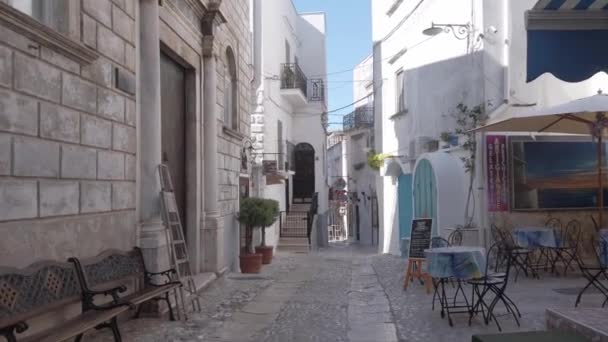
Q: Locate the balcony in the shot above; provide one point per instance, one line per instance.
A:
(362, 117)
(294, 84)
(297, 88)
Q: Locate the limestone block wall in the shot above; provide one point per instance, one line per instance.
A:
(236, 34)
(68, 141)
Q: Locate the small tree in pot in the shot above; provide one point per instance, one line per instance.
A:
(251, 215)
(271, 212)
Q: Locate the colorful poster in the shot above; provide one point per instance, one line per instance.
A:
(497, 173)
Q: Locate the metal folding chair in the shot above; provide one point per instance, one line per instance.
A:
(595, 272)
(567, 250)
(455, 238)
(487, 284)
(520, 258)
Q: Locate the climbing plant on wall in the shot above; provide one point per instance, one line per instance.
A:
(468, 118)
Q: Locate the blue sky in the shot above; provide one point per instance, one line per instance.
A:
(349, 41)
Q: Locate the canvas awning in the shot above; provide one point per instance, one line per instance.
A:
(567, 38)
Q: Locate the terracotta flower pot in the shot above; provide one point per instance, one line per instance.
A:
(251, 263)
(266, 252)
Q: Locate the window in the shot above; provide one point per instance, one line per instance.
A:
(33, 18)
(400, 91)
(230, 92)
(52, 13)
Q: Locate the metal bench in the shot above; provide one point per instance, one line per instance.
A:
(106, 275)
(42, 288)
(49, 286)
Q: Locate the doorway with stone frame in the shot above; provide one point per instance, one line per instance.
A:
(179, 139)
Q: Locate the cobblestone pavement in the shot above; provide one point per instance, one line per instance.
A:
(344, 293)
(416, 321)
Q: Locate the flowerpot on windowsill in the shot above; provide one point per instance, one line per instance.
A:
(266, 252)
(250, 263)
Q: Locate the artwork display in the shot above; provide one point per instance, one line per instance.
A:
(497, 173)
(555, 175)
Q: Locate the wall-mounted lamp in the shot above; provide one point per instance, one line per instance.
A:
(247, 147)
(460, 31)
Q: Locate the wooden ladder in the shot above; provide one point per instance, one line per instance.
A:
(178, 250)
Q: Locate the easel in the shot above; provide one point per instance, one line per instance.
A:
(419, 241)
(414, 271)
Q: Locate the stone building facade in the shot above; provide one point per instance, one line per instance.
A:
(94, 95)
(68, 137)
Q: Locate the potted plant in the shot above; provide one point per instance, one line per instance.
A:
(271, 212)
(251, 215)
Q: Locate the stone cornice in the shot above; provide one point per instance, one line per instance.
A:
(210, 21)
(40, 33)
(198, 7)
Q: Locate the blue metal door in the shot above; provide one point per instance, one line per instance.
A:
(405, 204)
(425, 193)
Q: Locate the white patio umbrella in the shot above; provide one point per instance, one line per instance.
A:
(588, 116)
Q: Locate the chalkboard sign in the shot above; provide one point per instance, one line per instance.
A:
(421, 237)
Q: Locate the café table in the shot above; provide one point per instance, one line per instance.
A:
(454, 263)
(535, 237)
(541, 238)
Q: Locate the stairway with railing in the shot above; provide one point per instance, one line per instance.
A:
(296, 226)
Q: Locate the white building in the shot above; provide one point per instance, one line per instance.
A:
(347, 163)
(289, 119)
(480, 59)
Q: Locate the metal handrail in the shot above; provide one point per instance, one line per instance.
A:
(314, 206)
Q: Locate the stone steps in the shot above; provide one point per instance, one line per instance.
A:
(296, 245)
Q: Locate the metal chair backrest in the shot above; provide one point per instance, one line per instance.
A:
(506, 239)
(600, 249)
(438, 242)
(571, 236)
(493, 250)
(496, 236)
(556, 225)
(455, 238)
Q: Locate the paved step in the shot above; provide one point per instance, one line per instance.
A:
(298, 245)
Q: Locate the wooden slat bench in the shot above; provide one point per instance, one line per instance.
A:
(117, 267)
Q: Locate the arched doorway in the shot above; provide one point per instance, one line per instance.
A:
(304, 179)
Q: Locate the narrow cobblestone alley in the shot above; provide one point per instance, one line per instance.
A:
(344, 293)
(334, 295)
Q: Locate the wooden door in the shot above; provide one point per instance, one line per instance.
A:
(425, 193)
(304, 179)
(173, 107)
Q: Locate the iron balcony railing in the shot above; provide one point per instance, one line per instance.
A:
(292, 77)
(362, 117)
(317, 90)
